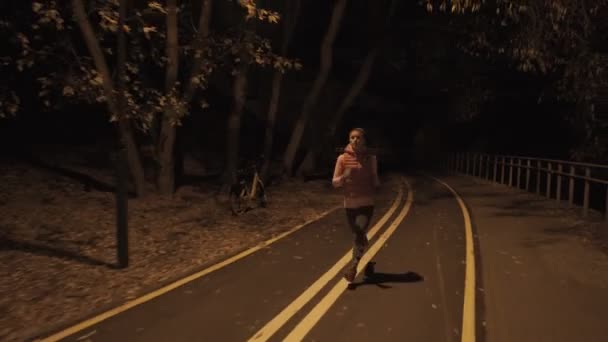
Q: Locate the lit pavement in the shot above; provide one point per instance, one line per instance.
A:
(530, 284)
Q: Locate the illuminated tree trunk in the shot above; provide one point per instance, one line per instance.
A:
(292, 10)
(166, 144)
(239, 90)
(362, 77)
(311, 155)
(311, 100)
(167, 156)
(203, 33)
(123, 126)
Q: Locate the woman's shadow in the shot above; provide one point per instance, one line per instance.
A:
(371, 277)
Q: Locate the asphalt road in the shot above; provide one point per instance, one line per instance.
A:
(413, 291)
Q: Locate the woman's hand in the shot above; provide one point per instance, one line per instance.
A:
(346, 174)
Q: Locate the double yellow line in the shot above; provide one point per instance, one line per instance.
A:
(312, 318)
(170, 287)
(323, 306)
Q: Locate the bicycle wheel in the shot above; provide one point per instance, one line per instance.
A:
(261, 194)
(238, 199)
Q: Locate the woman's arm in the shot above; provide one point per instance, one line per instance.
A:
(338, 179)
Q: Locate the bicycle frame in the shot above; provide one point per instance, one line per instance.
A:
(254, 186)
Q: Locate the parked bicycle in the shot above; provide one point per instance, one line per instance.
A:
(248, 191)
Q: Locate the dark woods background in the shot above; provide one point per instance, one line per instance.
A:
(424, 95)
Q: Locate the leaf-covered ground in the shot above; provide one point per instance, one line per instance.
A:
(57, 240)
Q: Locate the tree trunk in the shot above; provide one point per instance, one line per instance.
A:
(169, 151)
(353, 92)
(166, 176)
(124, 129)
(311, 100)
(292, 10)
(355, 89)
(234, 124)
(203, 33)
(365, 71)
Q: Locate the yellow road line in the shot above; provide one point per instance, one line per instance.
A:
(313, 317)
(468, 311)
(130, 304)
(278, 321)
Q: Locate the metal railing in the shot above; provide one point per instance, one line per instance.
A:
(521, 172)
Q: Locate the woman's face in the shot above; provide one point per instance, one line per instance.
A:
(356, 139)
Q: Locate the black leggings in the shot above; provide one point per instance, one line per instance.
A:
(358, 221)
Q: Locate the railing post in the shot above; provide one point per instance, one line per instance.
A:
(122, 211)
(474, 162)
(571, 186)
(510, 171)
(460, 162)
(528, 175)
(606, 209)
(538, 165)
(463, 162)
(586, 195)
(518, 173)
(446, 163)
(468, 162)
(502, 174)
(487, 166)
(481, 165)
(452, 160)
(495, 169)
(549, 171)
(558, 194)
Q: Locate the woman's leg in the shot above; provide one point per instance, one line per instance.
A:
(358, 221)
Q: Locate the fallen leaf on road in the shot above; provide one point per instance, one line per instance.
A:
(84, 337)
(434, 306)
(298, 257)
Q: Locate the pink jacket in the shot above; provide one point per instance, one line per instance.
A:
(359, 188)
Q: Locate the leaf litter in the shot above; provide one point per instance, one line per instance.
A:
(57, 241)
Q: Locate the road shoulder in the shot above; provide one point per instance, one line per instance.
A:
(539, 268)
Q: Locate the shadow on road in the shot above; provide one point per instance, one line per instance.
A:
(371, 277)
(40, 249)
